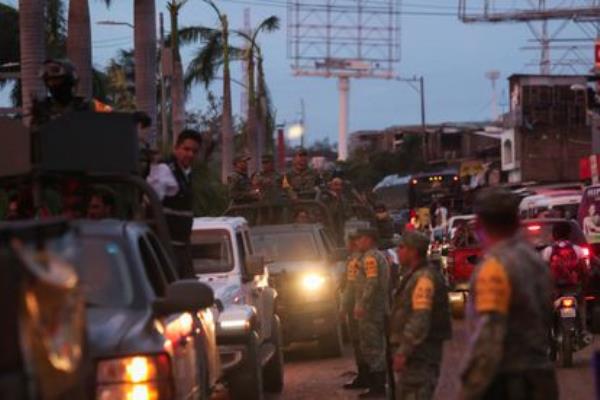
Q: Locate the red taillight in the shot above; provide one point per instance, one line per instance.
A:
(568, 302)
(586, 252)
(534, 228)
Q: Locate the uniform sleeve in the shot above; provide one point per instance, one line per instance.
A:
(162, 181)
(491, 302)
(418, 325)
(372, 271)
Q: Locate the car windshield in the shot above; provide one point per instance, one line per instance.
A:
(104, 273)
(539, 234)
(286, 246)
(212, 251)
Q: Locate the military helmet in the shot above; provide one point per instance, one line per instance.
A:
(59, 68)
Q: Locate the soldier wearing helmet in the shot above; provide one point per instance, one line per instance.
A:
(60, 78)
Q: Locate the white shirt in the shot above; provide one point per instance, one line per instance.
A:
(547, 252)
(441, 216)
(163, 181)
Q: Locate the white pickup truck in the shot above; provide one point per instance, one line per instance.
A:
(248, 330)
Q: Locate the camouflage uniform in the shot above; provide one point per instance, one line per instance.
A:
(510, 305)
(240, 188)
(371, 295)
(348, 301)
(419, 324)
(49, 109)
(269, 184)
(301, 182)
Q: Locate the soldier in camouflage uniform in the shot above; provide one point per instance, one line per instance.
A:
(420, 321)
(60, 79)
(268, 181)
(371, 309)
(240, 187)
(348, 289)
(511, 309)
(301, 181)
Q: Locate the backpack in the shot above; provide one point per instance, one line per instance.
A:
(564, 264)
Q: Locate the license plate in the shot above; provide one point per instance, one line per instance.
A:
(567, 312)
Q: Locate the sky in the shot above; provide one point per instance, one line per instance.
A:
(451, 56)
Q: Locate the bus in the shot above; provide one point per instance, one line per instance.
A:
(428, 187)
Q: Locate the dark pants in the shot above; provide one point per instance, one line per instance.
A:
(183, 261)
(527, 385)
(355, 340)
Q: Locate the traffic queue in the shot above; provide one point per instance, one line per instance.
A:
(114, 289)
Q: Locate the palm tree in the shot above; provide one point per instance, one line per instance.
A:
(32, 50)
(79, 44)
(144, 20)
(177, 85)
(264, 105)
(254, 137)
(120, 81)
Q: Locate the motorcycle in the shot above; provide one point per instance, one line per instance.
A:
(567, 335)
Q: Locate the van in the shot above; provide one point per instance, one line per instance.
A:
(560, 203)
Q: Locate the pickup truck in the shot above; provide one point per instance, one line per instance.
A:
(248, 329)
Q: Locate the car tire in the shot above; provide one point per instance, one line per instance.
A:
(273, 372)
(246, 382)
(332, 344)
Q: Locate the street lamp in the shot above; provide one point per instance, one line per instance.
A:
(295, 131)
(122, 23)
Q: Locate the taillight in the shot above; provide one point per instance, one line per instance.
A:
(586, 252)
(534, 228)
(144, 377)
(567, 303)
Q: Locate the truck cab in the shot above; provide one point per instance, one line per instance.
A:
(248, 330)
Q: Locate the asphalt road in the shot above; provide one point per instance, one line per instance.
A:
(310, 377)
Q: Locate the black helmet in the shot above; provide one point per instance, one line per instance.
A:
(56, 68)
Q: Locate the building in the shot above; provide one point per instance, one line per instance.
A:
(548, 129)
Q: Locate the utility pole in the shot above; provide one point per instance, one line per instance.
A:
(423, 123)
(344, 88)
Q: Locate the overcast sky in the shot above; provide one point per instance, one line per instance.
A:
(453, 58)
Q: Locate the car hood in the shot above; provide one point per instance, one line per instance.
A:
(226, 288)
(296, 267)
(116, 330)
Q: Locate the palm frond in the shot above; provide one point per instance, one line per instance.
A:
(193, 34)
(270, 24)
(203, 66)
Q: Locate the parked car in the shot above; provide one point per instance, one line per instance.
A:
(43, 346)
(150, 335)
(555, 203)
(303, 271)
(249, 330)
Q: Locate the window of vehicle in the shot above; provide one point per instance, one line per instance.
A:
(104, 272)
(241, 248)
(286, 246)
(153, 271)
(165, 265)
(539, 234)
(248, 243)
(211, 251)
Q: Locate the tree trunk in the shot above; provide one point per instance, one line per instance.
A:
(79, 44)
(251, 122)
(177, 87)
(145, 63)
(227, 134)
(262, 109)
(32, 44)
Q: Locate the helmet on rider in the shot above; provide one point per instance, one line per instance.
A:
(60, 77)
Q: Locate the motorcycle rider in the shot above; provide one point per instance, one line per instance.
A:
(568, 268)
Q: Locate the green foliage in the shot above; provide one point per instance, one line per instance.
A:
(210, 195)
(365, 168)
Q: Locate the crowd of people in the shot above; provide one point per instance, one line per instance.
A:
(510, 309)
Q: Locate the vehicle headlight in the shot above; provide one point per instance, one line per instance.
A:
(313, 282)
(134, 378)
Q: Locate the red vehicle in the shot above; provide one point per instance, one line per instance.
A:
(463, 247)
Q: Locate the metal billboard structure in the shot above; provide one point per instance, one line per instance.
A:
(547, 20)
(344, 39)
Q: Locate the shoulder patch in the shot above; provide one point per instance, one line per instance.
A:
(422, 296)
(492, 288)
(371, 267)
(353, 267)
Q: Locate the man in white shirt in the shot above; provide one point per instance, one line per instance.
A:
(172, 181)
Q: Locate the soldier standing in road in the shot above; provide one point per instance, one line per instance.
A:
(240, 187)
(420, 321)
(361, 381)
(172, 181)
(511, 306)
(268, 181)
(300, 180)
(370, 309)
(60, 79)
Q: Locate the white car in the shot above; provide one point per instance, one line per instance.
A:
(248, 330)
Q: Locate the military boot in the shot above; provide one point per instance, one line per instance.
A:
(361, 381)
(376, 388)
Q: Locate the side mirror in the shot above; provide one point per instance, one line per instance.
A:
(255, 265)
(339, 254)
(184, 295)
